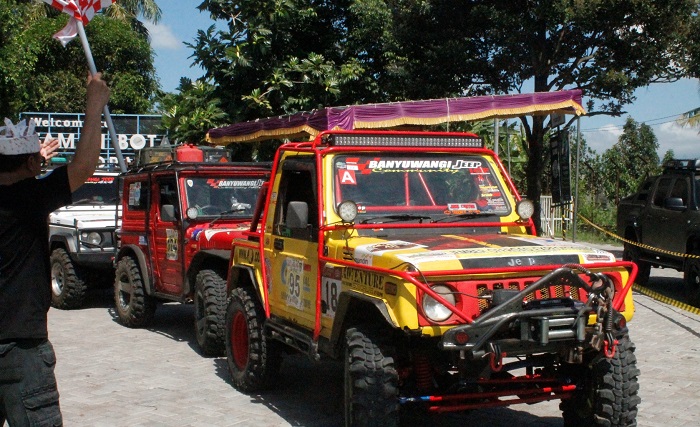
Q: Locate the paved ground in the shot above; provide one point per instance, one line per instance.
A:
(113, 376)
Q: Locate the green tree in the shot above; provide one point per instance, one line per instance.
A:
(631, 160)
(188, 114)
(386, 50)
(38, 74)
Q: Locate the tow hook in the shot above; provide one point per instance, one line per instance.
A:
(608, 349)
(496, 357)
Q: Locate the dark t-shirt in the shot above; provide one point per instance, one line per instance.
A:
(25, 276)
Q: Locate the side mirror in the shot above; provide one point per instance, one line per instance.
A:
(297, 215)
(167, 213)
(674, 204)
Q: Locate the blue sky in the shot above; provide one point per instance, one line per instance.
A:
(657, 105)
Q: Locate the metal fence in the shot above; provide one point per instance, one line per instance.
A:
(554, 218)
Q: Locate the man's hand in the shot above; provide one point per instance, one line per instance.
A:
(48, 149)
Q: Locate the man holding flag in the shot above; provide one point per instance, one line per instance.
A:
(28, 390)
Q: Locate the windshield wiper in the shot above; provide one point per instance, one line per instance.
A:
(458, 217)
(221, 214)
(395, 218)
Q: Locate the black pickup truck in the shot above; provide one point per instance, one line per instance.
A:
(664, 217)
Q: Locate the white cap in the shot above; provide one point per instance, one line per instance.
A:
(18, 139)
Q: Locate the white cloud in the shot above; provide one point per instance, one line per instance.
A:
(162, 37)
(602, 138)
(685, 142)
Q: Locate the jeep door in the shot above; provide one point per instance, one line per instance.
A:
(293, 252)
(166, 235)
(664, 227)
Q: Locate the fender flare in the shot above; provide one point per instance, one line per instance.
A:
(136, 252)
(204, 259)
(63, 241)
(242, 276)
(345, 300)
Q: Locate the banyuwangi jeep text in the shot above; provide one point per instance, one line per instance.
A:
(411, 257)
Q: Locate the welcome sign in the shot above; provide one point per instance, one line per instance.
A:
(134, 132)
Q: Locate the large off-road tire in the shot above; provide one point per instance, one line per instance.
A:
(210, 312)
(253, 359)
(691, 279)
(633, 253)
(371, 382)
(134, 308)
(68, 286)
(608, 391)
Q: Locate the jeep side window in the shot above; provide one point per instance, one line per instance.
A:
(680, 190)
(138, 195)
(167, 190)
(644, 190)
(661, 191)
(297, 184)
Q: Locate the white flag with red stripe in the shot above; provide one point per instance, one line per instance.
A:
(83, 10)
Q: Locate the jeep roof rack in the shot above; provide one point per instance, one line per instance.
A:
(682, 164)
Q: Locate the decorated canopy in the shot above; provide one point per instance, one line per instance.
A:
(393, 114)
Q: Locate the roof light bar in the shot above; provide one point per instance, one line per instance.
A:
(405, 140)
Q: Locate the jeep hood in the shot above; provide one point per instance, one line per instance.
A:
(468, 251)
(218, 237)
(88, 216)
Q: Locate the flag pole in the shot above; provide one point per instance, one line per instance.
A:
(108, 117)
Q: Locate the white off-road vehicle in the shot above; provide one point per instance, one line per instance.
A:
(83, 241)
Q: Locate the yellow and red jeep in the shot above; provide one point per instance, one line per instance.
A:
(411, 256)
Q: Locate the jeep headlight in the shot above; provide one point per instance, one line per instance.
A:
(91, 238)
(434, 310)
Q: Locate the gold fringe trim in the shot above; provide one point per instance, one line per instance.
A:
(309, 132)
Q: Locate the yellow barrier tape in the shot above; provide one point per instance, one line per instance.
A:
(641, 289)
(633, 243)
(662, 298)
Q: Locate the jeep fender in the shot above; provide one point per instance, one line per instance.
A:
(136, 252)
(353, 309)
(242, 277)
(62, 241)
(212, 259)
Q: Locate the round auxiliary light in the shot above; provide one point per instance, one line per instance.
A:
(525, 209)
(347, 211)
(192, 212)
(434, 310)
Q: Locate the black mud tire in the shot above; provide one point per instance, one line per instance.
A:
(68, 287)
(608, 392)
(371, 382)
(134, 308)
(633, 253)
(253, 360)
(691, 278)
(210, 312)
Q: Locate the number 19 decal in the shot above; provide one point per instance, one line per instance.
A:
(330, 291)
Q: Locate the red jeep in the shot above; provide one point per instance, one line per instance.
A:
(179, 219)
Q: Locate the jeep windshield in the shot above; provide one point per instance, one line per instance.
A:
(424, 188)
(222, 197)
(97, 190)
